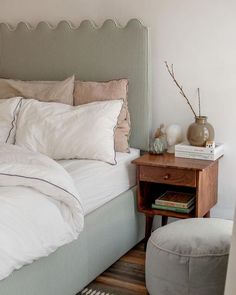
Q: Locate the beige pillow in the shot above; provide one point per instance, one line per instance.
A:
(86, 92)
(58, 91)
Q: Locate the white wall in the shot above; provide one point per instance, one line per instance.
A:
(197, 36)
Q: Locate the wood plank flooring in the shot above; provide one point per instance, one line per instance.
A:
(125, 277)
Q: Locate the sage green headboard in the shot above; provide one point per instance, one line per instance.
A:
(89, 52)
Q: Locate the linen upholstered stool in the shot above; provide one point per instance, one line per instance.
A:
(189, 257)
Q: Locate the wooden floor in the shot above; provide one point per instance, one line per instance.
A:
(125, 277)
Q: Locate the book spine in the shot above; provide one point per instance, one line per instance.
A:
(200, 150)
(171, 204)
(194, 149)
(210, 157)
(175, 209)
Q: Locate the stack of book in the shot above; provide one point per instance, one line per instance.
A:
(185, 150)
(175, 201)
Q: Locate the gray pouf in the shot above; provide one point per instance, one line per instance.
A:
(189, 257)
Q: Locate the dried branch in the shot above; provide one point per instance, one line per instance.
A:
(199, 101)
(172, 74)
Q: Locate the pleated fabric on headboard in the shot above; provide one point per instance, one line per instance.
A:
(91, 53)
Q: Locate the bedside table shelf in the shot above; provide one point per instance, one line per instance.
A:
(158, 173)
(168, 213)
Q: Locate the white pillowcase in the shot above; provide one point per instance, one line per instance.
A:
(65, 132)
(8, 114)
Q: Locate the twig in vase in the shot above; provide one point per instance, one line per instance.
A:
(172, 74)
(199, 101)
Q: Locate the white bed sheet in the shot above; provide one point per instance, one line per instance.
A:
(98, 182)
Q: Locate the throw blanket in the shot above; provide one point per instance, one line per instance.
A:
(40, 209)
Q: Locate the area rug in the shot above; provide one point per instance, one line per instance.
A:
(102, 290)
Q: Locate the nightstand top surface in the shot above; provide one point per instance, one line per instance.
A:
(169, 160)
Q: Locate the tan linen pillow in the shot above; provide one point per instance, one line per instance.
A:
(47, 91)
(87, 91)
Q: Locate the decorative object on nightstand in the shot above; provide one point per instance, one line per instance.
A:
(210, 144)
(159, 143)
(174, 136)
(200, 131)
(158, 174)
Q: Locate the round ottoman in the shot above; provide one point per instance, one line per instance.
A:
(189, 257)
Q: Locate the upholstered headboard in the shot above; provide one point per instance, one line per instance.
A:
(89, 52)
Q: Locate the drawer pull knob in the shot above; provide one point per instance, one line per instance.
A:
(167, 176)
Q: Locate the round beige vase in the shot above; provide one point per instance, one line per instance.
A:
(200, 132)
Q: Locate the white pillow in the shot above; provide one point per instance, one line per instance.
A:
(8, 114)
(66, 132)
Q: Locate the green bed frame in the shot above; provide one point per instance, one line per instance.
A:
(95, 54)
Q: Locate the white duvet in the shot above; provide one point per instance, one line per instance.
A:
(40, 209)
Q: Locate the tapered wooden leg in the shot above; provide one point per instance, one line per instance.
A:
(207, 215)
(164, 220)
(148, 230)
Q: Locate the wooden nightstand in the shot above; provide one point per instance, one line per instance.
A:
(159, 173)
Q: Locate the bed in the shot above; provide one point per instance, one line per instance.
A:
(113, 226)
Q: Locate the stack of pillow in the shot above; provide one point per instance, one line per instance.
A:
(66, 119)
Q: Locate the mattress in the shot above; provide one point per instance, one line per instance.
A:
(98, 182)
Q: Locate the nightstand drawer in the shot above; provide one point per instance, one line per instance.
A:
(174, 176)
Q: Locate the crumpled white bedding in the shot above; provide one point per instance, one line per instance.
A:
(40, 209)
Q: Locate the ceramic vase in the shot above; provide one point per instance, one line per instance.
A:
(200, 132)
